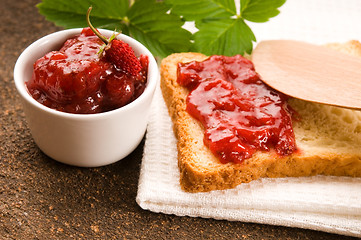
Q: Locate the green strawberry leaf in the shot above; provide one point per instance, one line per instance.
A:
(201, 9)
(158, 24)
(148, 21)
(71, 13)
(157, 29)
(260, 10)
(226, 37)
(221, 29)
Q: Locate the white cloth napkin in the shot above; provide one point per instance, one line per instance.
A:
(330, 204)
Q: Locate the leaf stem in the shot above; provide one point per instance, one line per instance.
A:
(93, 28)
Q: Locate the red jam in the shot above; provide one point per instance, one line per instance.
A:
(241, 114)
(76, 80)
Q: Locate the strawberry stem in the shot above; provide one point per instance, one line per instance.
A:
(104, 39)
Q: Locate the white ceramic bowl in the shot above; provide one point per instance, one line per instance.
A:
(86, 140)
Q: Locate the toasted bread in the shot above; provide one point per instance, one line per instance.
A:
(328, 139)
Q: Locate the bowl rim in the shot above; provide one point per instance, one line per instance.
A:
(152, 78)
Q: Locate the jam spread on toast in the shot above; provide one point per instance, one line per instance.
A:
(76, 79)
(240, 114)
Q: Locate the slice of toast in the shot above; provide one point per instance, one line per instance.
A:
(328, 139)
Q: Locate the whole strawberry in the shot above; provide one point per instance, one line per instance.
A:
(118, 52)
(122, 56)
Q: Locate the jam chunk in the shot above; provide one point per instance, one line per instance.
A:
(240, 114)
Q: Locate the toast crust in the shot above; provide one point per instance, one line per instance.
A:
(201, 171)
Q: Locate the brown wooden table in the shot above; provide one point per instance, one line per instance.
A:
(43, 199)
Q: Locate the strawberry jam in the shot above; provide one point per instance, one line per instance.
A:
(76, 79)
(240, 114)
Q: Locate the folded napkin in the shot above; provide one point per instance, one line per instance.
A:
(330, 204)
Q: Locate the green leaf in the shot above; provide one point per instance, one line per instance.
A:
(71, 13)
(221, 29)
(260, 10)
(226, 37)
(157, 29)
(201, 9)
(158, 23)
(148, 21)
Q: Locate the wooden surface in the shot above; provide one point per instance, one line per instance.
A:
(43, 199)
(310, 72)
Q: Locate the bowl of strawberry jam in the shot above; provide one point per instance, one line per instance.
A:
(85, 104)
